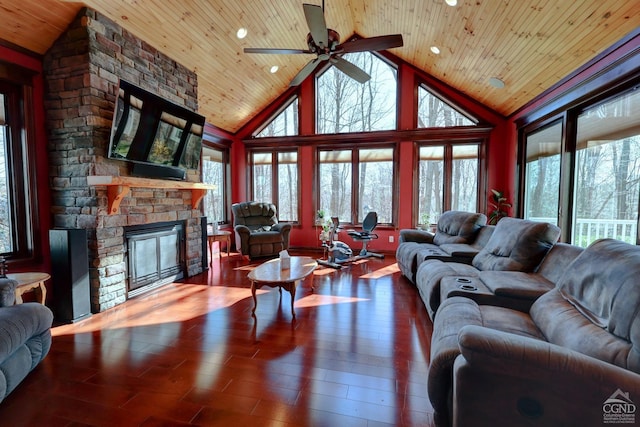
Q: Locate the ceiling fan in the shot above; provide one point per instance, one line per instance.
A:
(325, 44)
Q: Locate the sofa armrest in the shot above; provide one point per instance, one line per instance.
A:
(7, 292)
(21, 322)
(281, 227)
(531, 381)
(418, 236)
(243, 233)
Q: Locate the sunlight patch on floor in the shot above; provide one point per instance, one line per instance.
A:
(315, 300)
(160, 307)
(386, 271)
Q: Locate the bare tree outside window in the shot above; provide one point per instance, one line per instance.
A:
(464, 178)
(6, 244)
(434, 112)
(262, 174)
(288, 186)
(344, 105)
(375, 191)
(431, 184)
(336, 183)
(213, 169)
(284, 124)
(280, 188)
(542, 174)
(607, 172)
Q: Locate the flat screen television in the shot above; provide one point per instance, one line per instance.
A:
(159, 138)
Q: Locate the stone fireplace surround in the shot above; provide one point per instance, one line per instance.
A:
(82, 71)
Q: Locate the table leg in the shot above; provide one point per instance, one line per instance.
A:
(41, 293)
(255, 300)
(292, 291)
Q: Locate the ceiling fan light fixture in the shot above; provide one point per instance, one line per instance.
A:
(274, 69)
(496, 82)
(451, 2)
(241, 33)
(435, 49)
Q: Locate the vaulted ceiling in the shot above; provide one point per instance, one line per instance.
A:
(529, 44)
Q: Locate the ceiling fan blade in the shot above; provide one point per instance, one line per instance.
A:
(350, 70)
(275, 50)
(317, 24)
(305, 72)
(371, 44)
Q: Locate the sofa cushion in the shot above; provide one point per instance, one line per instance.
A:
(460, 249)
(595, 307)
(517, 245)
(254, 214)
(516, 284)
(458, 227)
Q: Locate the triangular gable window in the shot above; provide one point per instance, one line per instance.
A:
(434, 112)
(343, 105)
(285, 122)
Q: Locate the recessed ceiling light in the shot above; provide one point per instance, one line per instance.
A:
(274, 69)
(435, 50)
(451, 2)
(242, 33)
(496, 82)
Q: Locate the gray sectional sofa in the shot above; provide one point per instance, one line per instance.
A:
(577, 348)
(531, 331)
(25, 337)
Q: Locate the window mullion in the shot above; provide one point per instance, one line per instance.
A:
(355, 189)
(274, 180)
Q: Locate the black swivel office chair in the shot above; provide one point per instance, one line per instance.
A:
(368, 225)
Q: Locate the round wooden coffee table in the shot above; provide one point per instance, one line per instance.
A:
(271, 274)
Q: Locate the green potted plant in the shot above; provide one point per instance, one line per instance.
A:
(500, 207)
(320, 217)
(424, 221)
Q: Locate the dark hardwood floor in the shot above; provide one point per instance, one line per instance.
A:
(191, 354)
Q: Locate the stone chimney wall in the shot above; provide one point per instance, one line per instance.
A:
(82, 71)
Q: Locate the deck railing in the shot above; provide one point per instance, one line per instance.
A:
(587, 230)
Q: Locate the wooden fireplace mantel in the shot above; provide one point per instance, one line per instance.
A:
(118, 188)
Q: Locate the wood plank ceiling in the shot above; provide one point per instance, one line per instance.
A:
(529, 44)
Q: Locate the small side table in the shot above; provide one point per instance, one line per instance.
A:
(28, 282)
(219, 236)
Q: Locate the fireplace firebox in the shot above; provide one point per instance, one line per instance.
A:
(155, 255)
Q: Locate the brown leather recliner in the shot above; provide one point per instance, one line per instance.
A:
(258, 232)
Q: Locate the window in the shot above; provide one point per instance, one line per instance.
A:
(344, 105)
(275, 180)
(448, 179)
(285, 123)
(17, 225)
(353, 182)
(542, 174)
(582, 170)
(607, 171)
(6, 239)
(214, 171)
(434, 112)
